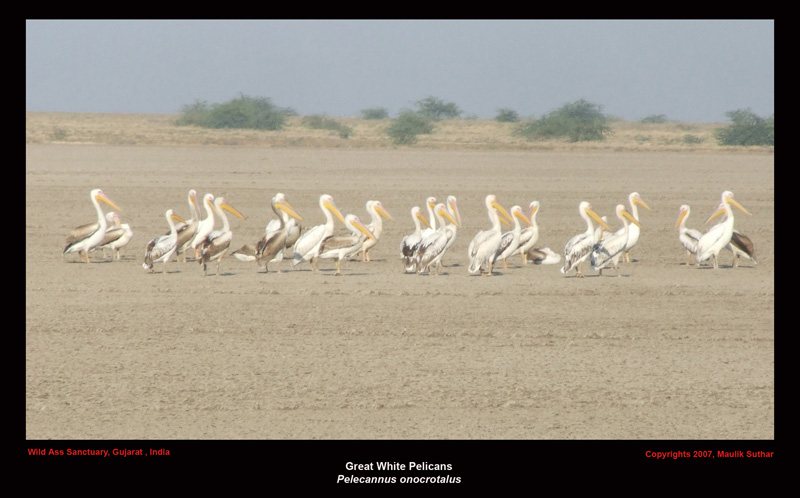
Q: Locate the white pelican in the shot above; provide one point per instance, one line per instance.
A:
(452, 208)
(205, 226)
(164, 246)
(742, 247)
(544, 256)
(377, 212)
(607, 251)
(217, 243)
(307, 246)
(430, 204)
(483, 247)
(530, 234)
(719, 236)
(409, 243)
(86, 237)
(270, 248)
(580, 246)
(112, 223)
(687, 236)
(338, 247)
(634, 199)
(509, 244)
(187, 230)
(116, 236)
(292, 227)
(430, 250)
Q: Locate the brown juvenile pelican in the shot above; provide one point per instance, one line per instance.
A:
(742, 247)
(217, 243)
(270, 247)
(117, 236)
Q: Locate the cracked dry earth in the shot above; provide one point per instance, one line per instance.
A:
(665, 351)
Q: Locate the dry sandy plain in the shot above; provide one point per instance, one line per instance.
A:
(663, 352)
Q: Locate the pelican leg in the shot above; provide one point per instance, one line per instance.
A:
(524, 258)
(627, 257)
(505, 265)
(489, 273)
(87, 257)
(338, 267)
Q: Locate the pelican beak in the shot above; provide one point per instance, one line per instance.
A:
(383, 212)
(534, 211)
(287, 208)
(598, 219)
(454, 207)
(522, 216)
(424, 220)
(231, 209)
(503, 212)
(738, 206)
(445, 214)
(642, 203)
(630, 218)
(719, 212)
(194, 201)
(680, 218)
(364, 230)
(103, 197)
(177, 218)
(329, 205)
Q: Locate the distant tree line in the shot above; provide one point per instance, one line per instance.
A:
(575, 121)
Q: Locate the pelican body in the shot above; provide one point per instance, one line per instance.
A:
(409, 243)
(634, 200)
(430, 250)
(307, 246)
(188, 229)
(162, 248)
(608, 251)
(270, 248)
(339, 247)
(205, 226)
(530, 234)
(579, 247)
(377, 213)
(742, 247)
(116, 237)
(719, 236)
(483, 248)
(543, 256)
(216, 244)
(86, 237)
(509, 244)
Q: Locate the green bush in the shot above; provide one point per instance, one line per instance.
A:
(747, 129)
(576, 122)
(375, 113)
(318, 121)
(655, 118)
(437, 109)
(256, 113)
(506, 115)
(405, 128)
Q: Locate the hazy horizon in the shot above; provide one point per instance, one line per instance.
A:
(693, 71)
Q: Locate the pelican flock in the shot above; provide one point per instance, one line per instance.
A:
(422, 251)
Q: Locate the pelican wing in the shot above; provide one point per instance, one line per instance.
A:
(82, 232)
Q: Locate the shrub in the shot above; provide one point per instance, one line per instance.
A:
(437, 109)
(655, 118)
(405, 128)
(506, 115)
(375, 113)
(257, 113)
(318, 121)
(577, 121)
(747, 129)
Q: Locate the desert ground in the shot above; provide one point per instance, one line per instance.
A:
(665, 351)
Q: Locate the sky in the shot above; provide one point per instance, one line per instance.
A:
(686, 70)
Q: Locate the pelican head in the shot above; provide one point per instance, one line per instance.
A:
(586, 207)
(727, 196)
(98, 195)
(491, 203)
(352, 220)
(517, 211)
(534, 207)
(326, 203)
(221, 203)
(623, 214)
(452, 207)
(378, 207)
(635, 198)
(280, 202)
(441, 211)
(682, 214)
(417, 213)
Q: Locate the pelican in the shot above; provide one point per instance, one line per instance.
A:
(580, 246)
(187, 230)
(86, 237)
(530, 234)
(483, 247)
(377, 212)
(633, 230)
(338, 247)
(687, 236)
(409, 243)
(430, 203)
(543, 256)
(452, 208)
(270, 247)
(431, 249)
(742, 247)
(600, 232)
(217, 243)
(205, 226)
(719, 236)
(164, 246)
(292, 228)
(608, 251)
(245, 253)
(116, 236)
(509, 244)
(307, 246)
